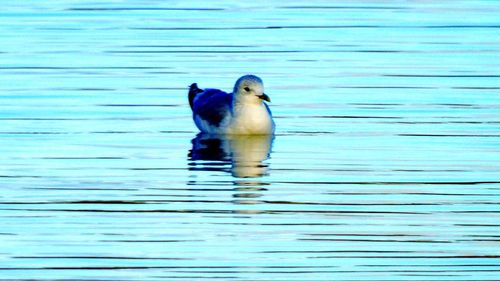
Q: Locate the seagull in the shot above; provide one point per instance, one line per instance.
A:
(242, 112)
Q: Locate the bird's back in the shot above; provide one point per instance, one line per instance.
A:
(210, 108)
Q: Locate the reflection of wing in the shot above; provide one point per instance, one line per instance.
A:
(208, 147)
(212, 106)
(246, 153)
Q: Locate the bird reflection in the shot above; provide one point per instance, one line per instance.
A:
(242, 156)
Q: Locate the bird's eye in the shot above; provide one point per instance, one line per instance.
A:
(247, 89)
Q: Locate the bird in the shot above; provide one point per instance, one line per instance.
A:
(242, 112)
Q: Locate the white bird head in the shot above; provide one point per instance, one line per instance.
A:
(250, 89)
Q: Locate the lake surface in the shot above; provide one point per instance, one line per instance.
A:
(385, 165)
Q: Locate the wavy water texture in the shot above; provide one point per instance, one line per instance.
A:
(384, 165)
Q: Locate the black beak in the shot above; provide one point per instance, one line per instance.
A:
(265, 97)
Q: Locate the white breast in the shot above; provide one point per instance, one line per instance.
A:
(251, 119)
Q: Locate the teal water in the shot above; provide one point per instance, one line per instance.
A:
(385, 165)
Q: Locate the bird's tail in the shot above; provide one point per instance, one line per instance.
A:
(193, 91)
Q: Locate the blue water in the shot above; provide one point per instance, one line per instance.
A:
(385, 165)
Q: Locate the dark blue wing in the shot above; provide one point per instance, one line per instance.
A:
(213, 105)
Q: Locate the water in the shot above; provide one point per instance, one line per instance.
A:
(384, 165)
